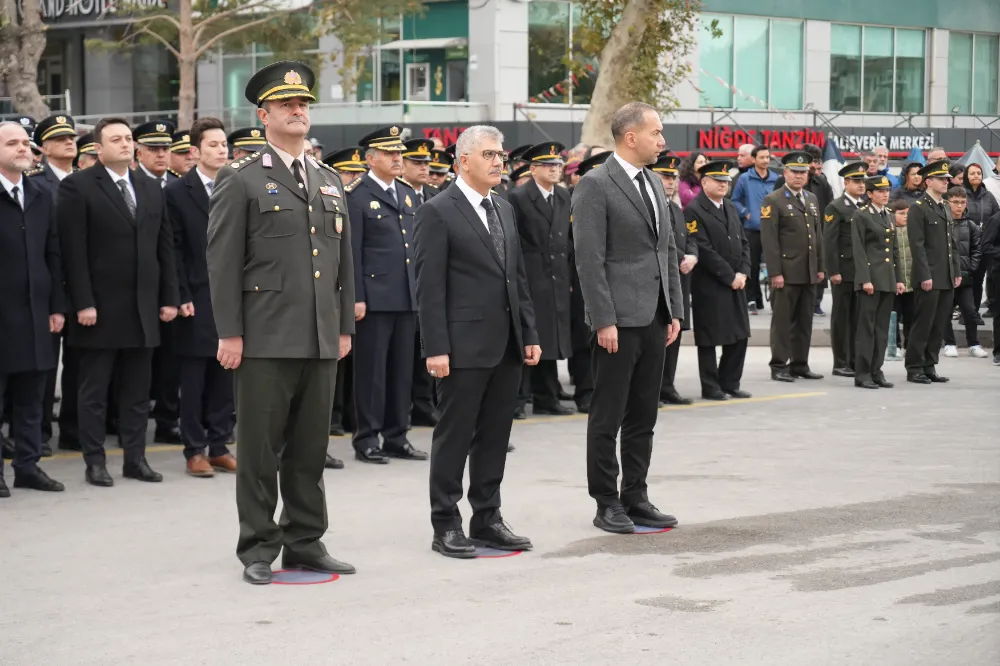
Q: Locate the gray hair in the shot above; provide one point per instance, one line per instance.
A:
(746, 149)
(14, 123)
(475, 135)
(628, 117)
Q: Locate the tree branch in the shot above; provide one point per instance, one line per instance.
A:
(144, 20)
(161, 39)
(215, 18)
(237, 29)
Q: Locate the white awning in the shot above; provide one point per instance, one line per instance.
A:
(435, 43)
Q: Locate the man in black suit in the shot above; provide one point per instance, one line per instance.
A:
(381, 209)
(206, 387)
(32, 303)
(541, 211)
(626, 255)
(119, 262)
(478, 327)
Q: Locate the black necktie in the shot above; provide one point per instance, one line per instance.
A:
(297, 173)
(17, 199)
(496, 231)
(420, 198)
(391, 191)
(129, 201)
(639, 178)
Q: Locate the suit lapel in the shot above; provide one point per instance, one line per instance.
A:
(30, 192)
(794, 200)
(509, 231)
(379, 193)
(197, 189)
(314, 179)
(280, 173)
(536, 198)
(473, 219)
(143, 190)
(112, 191)
(628, 188)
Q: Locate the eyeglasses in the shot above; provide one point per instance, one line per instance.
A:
(490, 155)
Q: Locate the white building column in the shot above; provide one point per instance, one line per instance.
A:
(937, 75)
(817, 65)
(498, 56)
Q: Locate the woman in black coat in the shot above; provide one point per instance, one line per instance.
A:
(982, 205)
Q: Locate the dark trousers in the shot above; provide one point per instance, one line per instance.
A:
(423, 393)
(670, 365)
(49, 398)
(820, 290)
(383, 382)
(166, 379)
(477, 410)
(727, 373)
(931, 313)
(627, 398)
(965, 299)
(25, 391)
(134, 372)
(874, 313)
(342, 412)
(580, 373)
(754, 292)
(69, 430)
(843, 324)
(206, 406)
(903, 305)
(791, 326)
(281, 411)
(541, 383)
(977, 282)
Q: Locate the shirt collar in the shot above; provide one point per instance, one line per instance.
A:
(475, 198)
(856, 202)
(205, 180)
(60, 174)
(8, 185)
(288, 158)
(115, 177)
(151, 174)
(794, 194)
(630, 170)
(381, 183)
(545, 193)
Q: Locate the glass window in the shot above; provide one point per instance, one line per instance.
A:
(716, 54)
(986, 59)
(750, 51)
(910, 71)
(959, 73)
(548, 46)
(877, 59)
(786, 64)
(845, 67)
(583, 84)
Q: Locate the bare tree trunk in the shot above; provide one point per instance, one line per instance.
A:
(21, 47)
(616, 63)
(187, 64)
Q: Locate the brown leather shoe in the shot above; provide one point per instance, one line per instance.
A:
(224, 463)
(198, 466)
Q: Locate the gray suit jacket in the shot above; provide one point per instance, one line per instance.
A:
(623, 266)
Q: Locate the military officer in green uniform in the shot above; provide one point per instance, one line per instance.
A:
(936, 273)
(282, 281)
(792, 241)
(878, 277)
(838, 250)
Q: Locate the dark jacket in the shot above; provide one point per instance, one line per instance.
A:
(991, 245)
(982, 205)
(818, 185)
(686, 244)
(876, 258)
(909, 196)
(838, 242)
(932, 244)
(968, 241)
(791, 237)
(121, 265)
(31, 282)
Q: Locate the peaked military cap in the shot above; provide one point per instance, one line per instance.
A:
(85, 144)
(520, 172)
(877, 183)
(718, 170)
(27, 122)
(418, 150)
(181, 142)
(284, 79)
(54, 126)
(544, 153)
(154, 133)
(247, 138)
(441, 161)
(347, 159)
(591, 162)
(666, 164)
(938, 169)
(384, 138)
(854, 171)
(518, 153)
(797, 160)
(451, 149)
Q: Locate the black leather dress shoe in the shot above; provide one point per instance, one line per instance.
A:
(46, 451)
(97, 475)
(612, 518)
(373, 455)
(67, 444)
(917, 378)
(337, 430)
(405, 452)
(141, 471)
(333, 463)
(454, 544)
(257, 573)
(672, 397)
(843, 372)
(936, 378)
(39, 480)
(323, 564)
(4, 490)
(739, 395)
(422, 420)
(583, 406)
(519, 414)
(7, 448)
(169, 435)
(563, 395)
(499, 536)
(551, 410)
(882, 383)
(865, 384)
(715, 394)
(647, 515)
(806, 374)
(782, 376)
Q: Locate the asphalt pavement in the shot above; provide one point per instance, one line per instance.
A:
(819, 524)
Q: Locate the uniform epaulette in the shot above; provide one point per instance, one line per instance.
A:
(403, 181)
(351, 186)
(322, 165)
(919, 201)
(169, 170)
(35, 171)
(243, 161)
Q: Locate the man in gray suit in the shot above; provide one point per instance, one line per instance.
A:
(632, 295)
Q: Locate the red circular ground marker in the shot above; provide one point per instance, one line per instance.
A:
(300, 577)
(642, 529)
(483, 553)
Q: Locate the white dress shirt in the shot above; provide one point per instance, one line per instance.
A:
(60, 174)
(856, 202)
(546, 194)
(288, 159)
(631, 172)
(128, 181)
(205, 180)
(9, 187)
(476, 199)
(384, 185)
(162, 179)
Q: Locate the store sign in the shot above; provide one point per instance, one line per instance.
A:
(448, 135)
(731, 138)
(90, 10)
(896, 143)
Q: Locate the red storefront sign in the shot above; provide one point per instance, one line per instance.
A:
(448, 135)
(731, 138)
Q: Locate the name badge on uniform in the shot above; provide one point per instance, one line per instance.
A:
(329, 190)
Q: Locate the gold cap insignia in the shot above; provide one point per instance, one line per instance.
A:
(255, 133)
(374, 205)
(673, 163)
(186, 137)
(552, 150)
(293, 78)
(356, 157)
(160, 127)
(60, 119)
(423, 149)
(884, 182)
(692, 227)
(393, 131)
